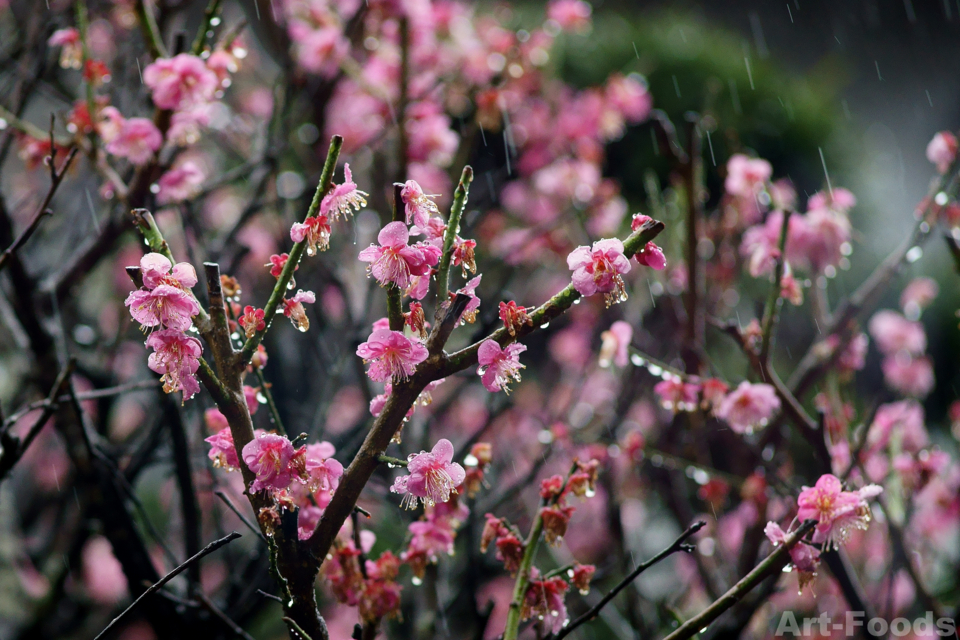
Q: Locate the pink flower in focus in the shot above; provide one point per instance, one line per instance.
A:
(432, 478)
(180, 82)
(893, 333)
(344, 198)
(278, 262)
(749, 406)
(544, 599)
(746, 176)
(650, 255)
(616, 344)
(176, 357)
(293, 309)
(268, 456)
(157, 270)
(825, 501)
(419, 206)
(677, 395)
(570, 15)
(180, 183)
(803, 557)
(166, 306)
(599, 270)
(394, 260)
(315, 231)
(942, 150)
(222, 450)
(136, 140)
(497, 367)
(251, 321)
(323, 470)
(391, 355)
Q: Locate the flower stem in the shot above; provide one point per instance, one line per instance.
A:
(523, 579)
(453, 227)
(771, 309)
(280, 289)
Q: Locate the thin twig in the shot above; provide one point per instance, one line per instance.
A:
(678, 545)
(236, 512)
(210, 548)
(768, 566)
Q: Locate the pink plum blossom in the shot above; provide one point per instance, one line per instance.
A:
(180, 82)
(749, 406)
(222, 450)
(180, 183)
(836, 511)
(746, 176)
(942, 150)
(268, 455)
(473, 306)
(293, 308)
(616, 344)
(650, 255)
(323, 470)
(839, 200)
(917, 296)
(71, 53)
(419, 206)
(803, 557)
(394, 261)
(176, 357)
(893, 333)
(165, 306)
(499, 366)
(391, 355)
(344, 198)
(432, 477)
(320, 50)
(910, 375)
(544, 599)
(629, 96)
(570, 15)
(136, 139)
(599, 270)
(315, 231)
(157, 270)
(677, 395)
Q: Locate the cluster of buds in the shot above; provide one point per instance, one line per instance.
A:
(355, 581)
(514, 317)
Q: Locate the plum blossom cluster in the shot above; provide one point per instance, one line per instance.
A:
(745, 409)
(355, 581)
(544, 594)
(837, 513)
(183, 88)
(165, 307)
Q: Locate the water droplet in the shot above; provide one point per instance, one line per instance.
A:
(577, 301)
(924, 227)
(214, 21)
(155, 188)
(301, 328)
(471, 460)
(545, 325)
(262, 399)
(941, 198)
(291, 284)
(637, 360)
(416, 581)
(914, 254)
(590, 492)
(3, 124)
(654, 370)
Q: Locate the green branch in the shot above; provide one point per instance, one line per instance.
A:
(453, 228)
(280, 289)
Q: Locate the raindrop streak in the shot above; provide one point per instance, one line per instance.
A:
(790, 13)
(676, 86)
(141, 72)
(929, 99)
(877, 64)
(825, 172)
(636, 51)
(256, 5)
(746, 61)
(93, 212)
(713, 158)
(506, 148)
